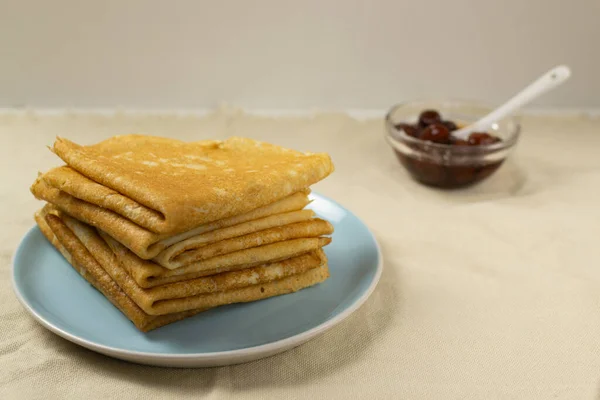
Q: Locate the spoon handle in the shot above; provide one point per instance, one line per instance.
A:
(544, 83)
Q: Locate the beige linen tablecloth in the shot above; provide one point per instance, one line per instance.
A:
(491, 292)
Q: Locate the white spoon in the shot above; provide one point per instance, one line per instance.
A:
(544, 83)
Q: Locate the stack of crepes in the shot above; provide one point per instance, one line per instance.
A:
(166, 229)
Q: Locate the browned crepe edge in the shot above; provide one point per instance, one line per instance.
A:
(214, 283)
(230, 232)
(148, 274)
(306, 229)
(289, 284)
(121, 294)
(134, 237)
(294, 202)
(200, 292)
(85, 264)
(143, 243)
(69, 181)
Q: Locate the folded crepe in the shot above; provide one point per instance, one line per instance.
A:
(190, 294)
(314, 227)
(148, 274)
(89, 269)
(167, 256)
(170, 186)
(121, 290)
(60, 186)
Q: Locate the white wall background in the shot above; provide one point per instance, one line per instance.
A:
(281, 54)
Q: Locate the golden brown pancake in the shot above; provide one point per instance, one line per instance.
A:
(177, 186)
(147, 244)
(120, 289)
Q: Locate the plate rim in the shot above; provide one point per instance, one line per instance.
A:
(267, 348)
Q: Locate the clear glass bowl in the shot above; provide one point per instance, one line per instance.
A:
(444, 165)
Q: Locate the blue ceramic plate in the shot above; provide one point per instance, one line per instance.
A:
(62, 301)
